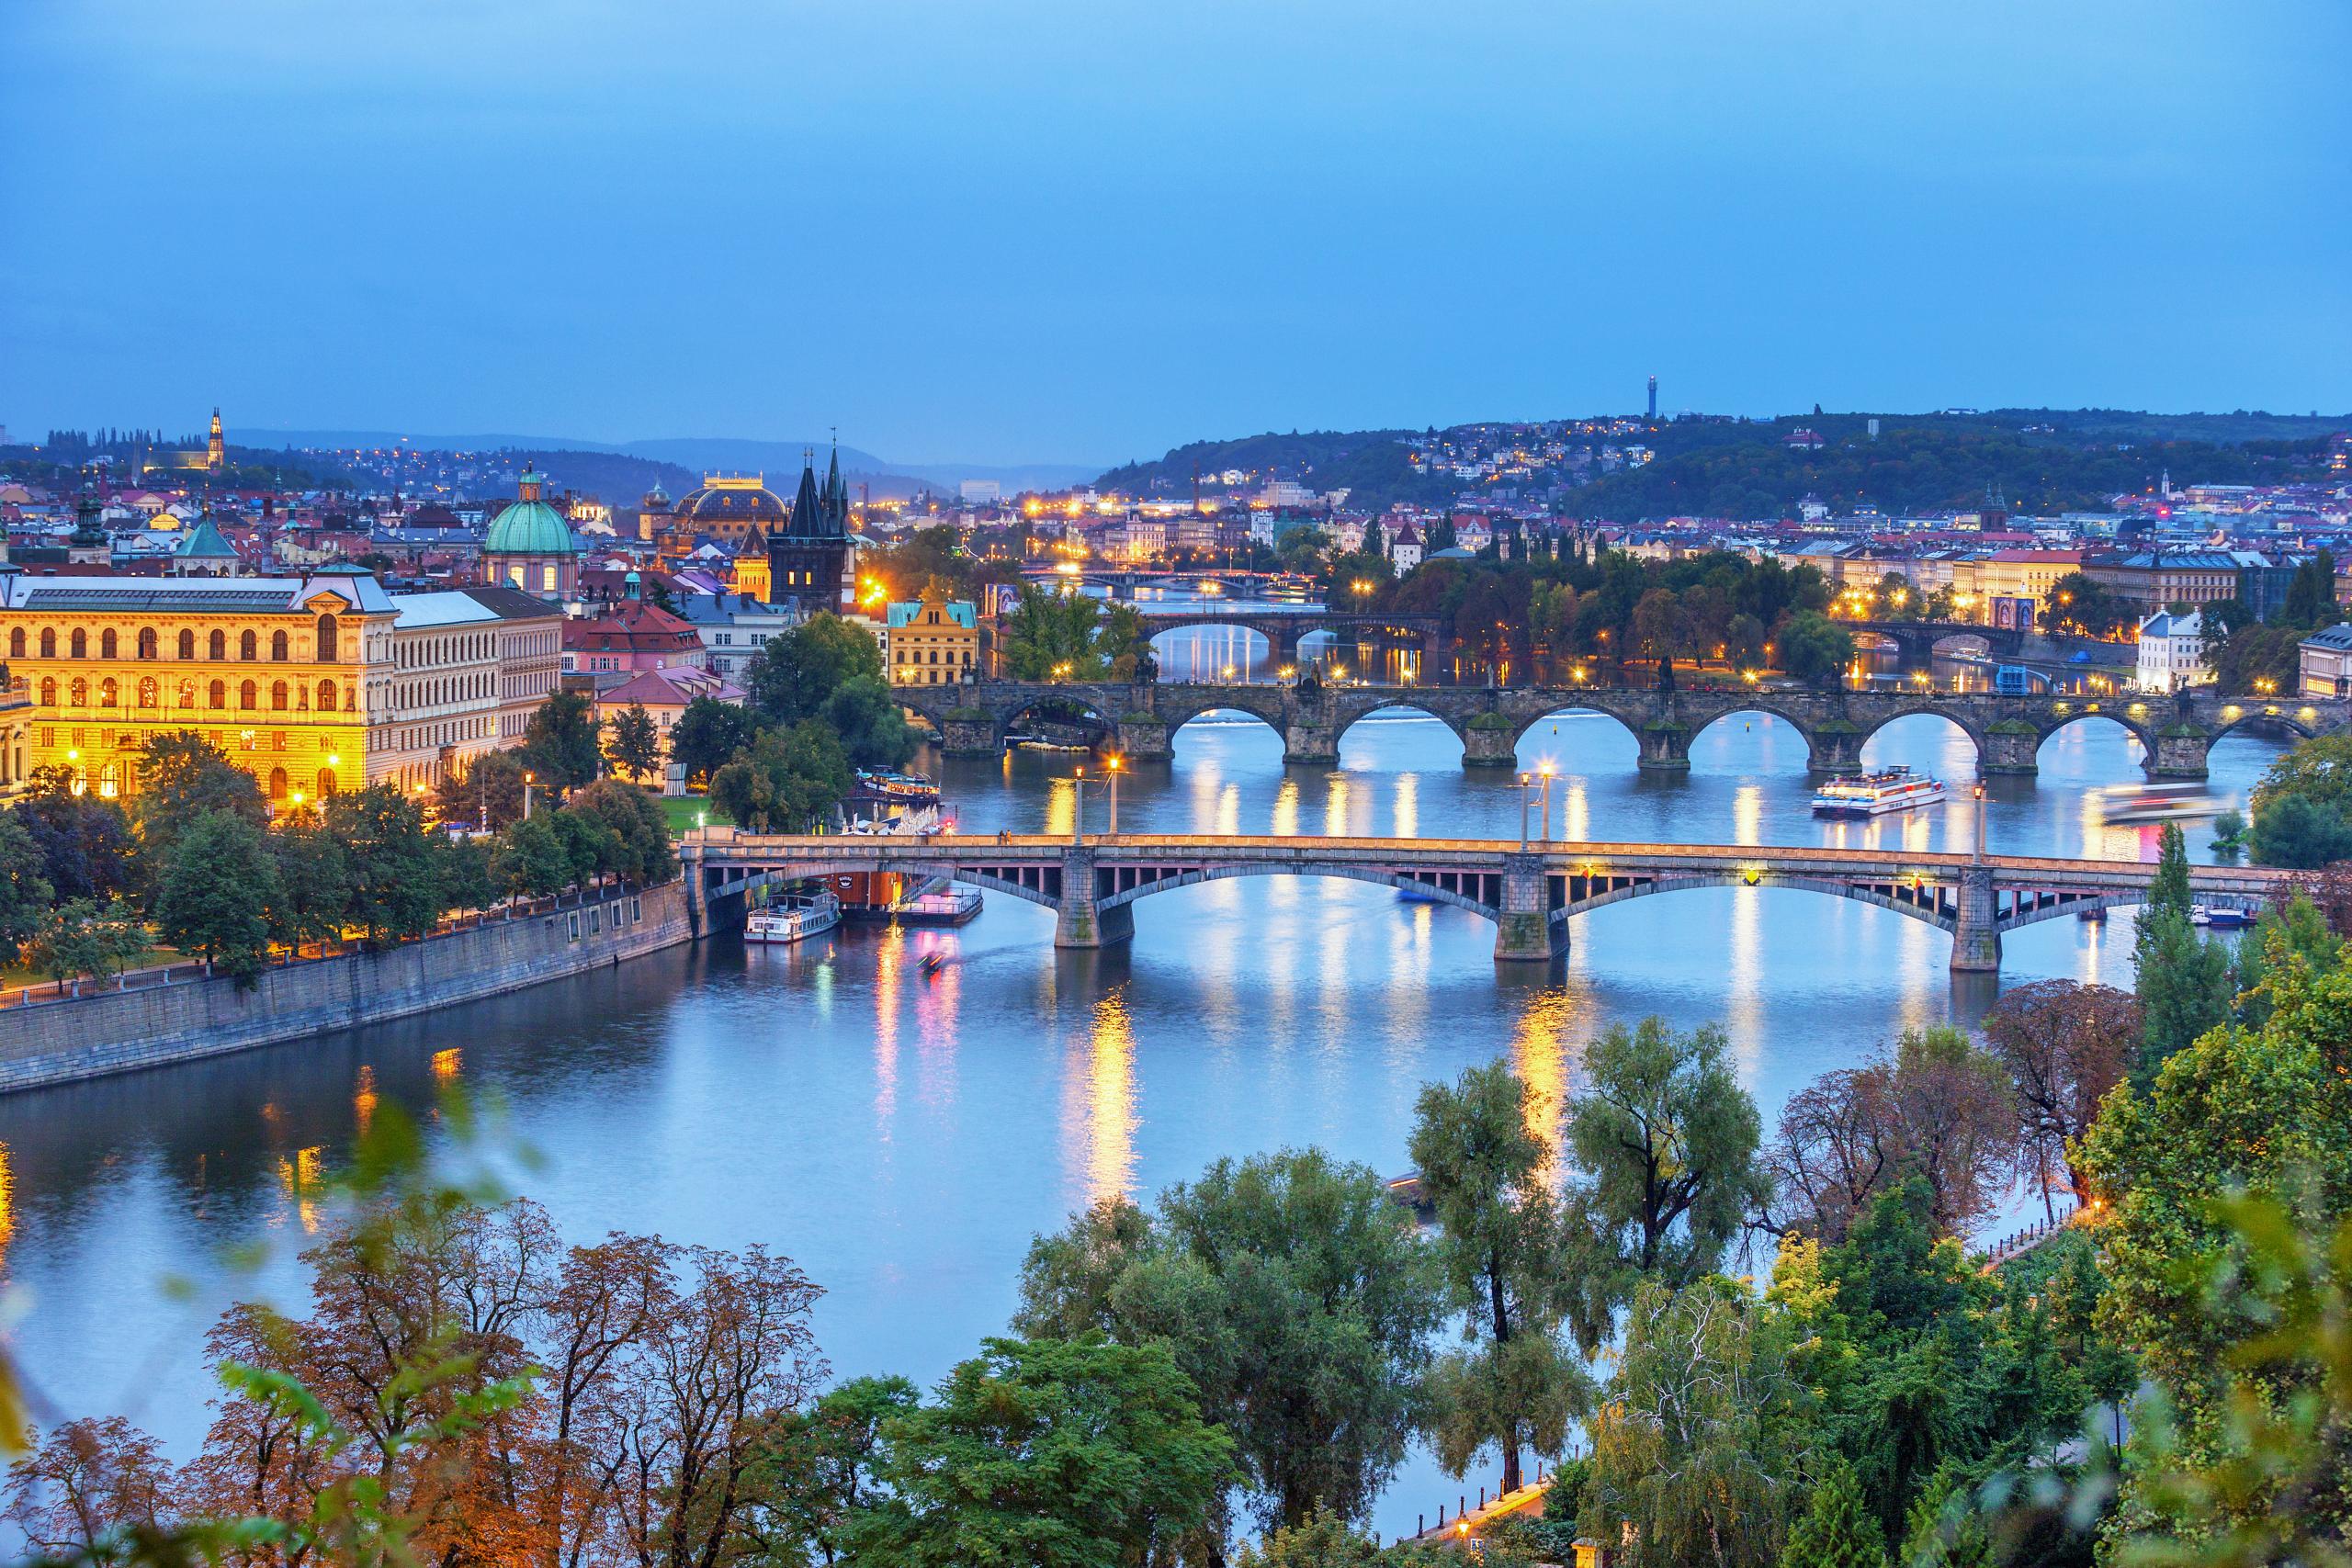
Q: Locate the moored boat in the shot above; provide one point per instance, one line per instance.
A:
(1871, 794)
(950, 905)
(794, 917)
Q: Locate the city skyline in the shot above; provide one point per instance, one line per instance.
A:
(1004, 238)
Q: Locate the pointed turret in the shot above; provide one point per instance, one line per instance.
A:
(808, 518)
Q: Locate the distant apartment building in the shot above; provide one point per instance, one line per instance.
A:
(2171, 652)
(2326, 662)
(2156, 578)
(980, 492)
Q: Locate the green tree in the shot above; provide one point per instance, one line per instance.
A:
(1836, 1531)
(529, 861)
(217, 893)
(1501, 1253)
(787, 780)
(1945, 1529)
(1814, 649)
(1295, 1296)
(796, 674)
(393, 881)
(640, 851)
(1322, 1539)
(313, 880)
(561, 746)
(26, 893)
(872, 727)
(181, 776)
(633, 742)
(2299, 832)
(2183, 981)
(707, 735)
(85, 937)
(1073, 636)
(1665, 1140)
(84, 841)
(1047, 1453)
(487, 796)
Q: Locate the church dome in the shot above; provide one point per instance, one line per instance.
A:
(530, 526)
(731, 504)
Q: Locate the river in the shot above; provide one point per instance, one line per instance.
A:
(903, 1137)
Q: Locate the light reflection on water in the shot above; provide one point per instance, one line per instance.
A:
(903, 1133)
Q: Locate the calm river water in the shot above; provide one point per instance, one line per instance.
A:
(902, 1138)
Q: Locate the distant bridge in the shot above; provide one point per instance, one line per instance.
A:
(1530, 891)
(1284, 628)
(2176, 733)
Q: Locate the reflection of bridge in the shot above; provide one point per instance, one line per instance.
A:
(2176, 734)
(1284, 628)
(1529, 892)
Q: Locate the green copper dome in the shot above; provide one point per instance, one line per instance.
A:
(530, 528)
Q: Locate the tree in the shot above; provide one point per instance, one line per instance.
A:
(181, 776)
(393, 883)
(1697, 1445)
(1814, 649)
(2064, 1045)
(26, 892)
(872, 727)
(529, 861)
(785, 780)
(1665, 1141)
(2297, 832)
(794, 673)
(94, 1491)
(313, 880)
(561, 745)
(1072, 637)
(2183, 981)
(1323, 1540)
(1049, 1453)
(708, 734)
(217, 892)
(633, 742)
(1501, 1253)
(1294, 1294)
(1836, 1531)
(487, 796)
(85, 937)
(2319, 769)
(1945, 1529)
(84, 839)
(639, 851)
(2080, 607)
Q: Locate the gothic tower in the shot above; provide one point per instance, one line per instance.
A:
(216, 448)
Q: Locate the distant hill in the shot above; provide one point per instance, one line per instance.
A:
(1372, 465)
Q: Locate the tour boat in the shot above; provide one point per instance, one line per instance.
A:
(793, 918)
(2155, 803)
(1871, 794)
(949, 906)
(2220, 919)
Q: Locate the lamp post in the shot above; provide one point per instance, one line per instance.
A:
(1111, 764)
(1546, 771)
(527, 777)
(1522, 813)
(1078, 804)
(1979, 820)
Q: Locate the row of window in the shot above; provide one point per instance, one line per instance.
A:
(149, 644)
(283, 697)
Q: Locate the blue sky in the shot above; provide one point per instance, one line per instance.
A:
(984, 231)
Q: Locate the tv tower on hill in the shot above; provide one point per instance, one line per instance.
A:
(1653, 400)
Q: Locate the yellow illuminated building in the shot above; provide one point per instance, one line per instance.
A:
(933, 643)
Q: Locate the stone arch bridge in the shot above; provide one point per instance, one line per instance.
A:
(1530, 891)
(2177, 733)
(1283, 630)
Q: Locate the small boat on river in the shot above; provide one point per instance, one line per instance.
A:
(1873, 795)
(795, 918)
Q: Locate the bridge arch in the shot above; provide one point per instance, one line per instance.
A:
(1432, 884)
(2138, 729)
(2285, 716)
(1929, 906)
(1519, 736)
(1976, 737)
(1176, 711)
(1402, 698)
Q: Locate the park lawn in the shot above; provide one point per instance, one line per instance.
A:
(14, 975)
(682, 810)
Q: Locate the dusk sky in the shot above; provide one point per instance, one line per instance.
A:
(972, 229)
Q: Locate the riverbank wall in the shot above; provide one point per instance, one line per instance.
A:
(114, 1032)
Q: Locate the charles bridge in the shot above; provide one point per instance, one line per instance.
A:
(1283, 629)
(1141, 720)
(1530, 890)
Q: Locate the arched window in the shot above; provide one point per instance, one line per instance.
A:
(218, 695)
(149, 692)
(16, 642)
(326, 782)
(216, 647)
(277, 647)
(248, 695)
(80, 646)
(49, 690)
(249, 647)
(188, 644)
(187, 691)
(148, 643)
(277, 784)
(277, 696)
(326, 696)
(107, 646)
(108, 691)
(48, 642)
(329, 651)
(78, 693)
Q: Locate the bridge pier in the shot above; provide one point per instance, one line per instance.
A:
(1666, 747)
(1835, 747)
(1079, 921)
(970, 732)
(1311, 740)
(1526, 933)
(1143, 737)
(2010, 747)
(1487, 743)
(1976, 939)
(2181, 752)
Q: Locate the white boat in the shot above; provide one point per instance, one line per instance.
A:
(795, 918)
(1874, 794)
(2220, 919)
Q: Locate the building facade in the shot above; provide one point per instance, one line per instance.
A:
(470, 667)
(2171, 652)
(531, 547)
(931, 643)
(2326, 662)
(812, 562)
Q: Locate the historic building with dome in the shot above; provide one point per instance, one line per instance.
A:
(727, 507)
(530, 547)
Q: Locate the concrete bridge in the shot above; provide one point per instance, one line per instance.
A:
(2177, 733)
(1530, 891)
(1283, 630)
